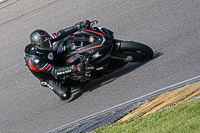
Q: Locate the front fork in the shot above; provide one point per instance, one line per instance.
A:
(119, 55)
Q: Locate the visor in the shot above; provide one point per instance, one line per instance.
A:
(46, 42)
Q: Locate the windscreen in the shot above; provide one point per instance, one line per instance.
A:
(82, 39)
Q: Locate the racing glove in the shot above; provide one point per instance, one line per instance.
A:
(83, 25)
(78, 68)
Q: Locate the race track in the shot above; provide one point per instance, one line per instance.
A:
(170, 27)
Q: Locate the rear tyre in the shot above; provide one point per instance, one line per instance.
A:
(137, 51)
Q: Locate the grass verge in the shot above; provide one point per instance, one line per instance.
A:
(183, 118)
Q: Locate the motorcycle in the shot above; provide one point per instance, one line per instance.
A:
(99, 52)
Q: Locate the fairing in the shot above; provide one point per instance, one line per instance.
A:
(97, 42)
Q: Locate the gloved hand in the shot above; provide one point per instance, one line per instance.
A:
(79, 68)
(83, 25)
(75, 69)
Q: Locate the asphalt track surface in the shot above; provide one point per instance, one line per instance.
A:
(170, 27)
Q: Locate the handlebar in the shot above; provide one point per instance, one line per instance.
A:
(93, 22)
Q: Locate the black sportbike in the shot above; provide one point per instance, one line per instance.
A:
(99, 53)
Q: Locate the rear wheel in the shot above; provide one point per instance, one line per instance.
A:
(135, 52)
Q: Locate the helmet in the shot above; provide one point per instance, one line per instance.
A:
(42, 41)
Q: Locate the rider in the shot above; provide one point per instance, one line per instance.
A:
(40, 57)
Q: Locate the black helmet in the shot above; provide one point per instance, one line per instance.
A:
(42, 41)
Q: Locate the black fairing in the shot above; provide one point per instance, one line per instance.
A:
(96, 42)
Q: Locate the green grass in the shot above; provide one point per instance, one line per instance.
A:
(183, 118)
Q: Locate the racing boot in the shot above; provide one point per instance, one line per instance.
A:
(62, 90)
(43, 83)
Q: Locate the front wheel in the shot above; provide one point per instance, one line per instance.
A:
(138, 52)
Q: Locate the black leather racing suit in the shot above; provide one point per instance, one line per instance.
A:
(45, 68)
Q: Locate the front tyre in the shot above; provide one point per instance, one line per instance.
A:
(137, 51)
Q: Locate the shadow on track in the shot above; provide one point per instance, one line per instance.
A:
(94, 84)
